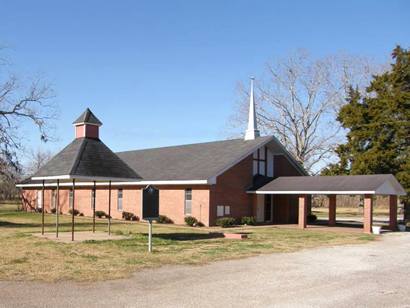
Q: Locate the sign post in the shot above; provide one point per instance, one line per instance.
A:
(150, 235)
(150, 209)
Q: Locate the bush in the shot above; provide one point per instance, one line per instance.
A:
(191, 221)
(100, 214)
(81, 214)
(225, 222)
(248, 220)
(199, 224)
(128, 215)
(76, 212)
(53, 211)
(162, 219)
(135, 218)
(311, 217)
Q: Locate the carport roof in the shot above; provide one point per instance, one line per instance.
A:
(375, 184)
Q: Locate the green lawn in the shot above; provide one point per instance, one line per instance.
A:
(26, 257)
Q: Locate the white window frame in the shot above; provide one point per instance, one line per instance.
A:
(227, 210)
(92, 197)
(220, 210)
(70, 198)
(188, 202)
(40, 200)
(53, 198)
(120, 200)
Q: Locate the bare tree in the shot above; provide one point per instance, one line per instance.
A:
(37, 160)
(297, 100)
(21, 103)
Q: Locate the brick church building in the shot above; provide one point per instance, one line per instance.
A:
(250, 176)
(205, 180)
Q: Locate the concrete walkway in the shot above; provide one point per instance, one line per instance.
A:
(79, 236)
(371, 275)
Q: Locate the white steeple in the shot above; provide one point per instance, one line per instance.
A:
(252, 132)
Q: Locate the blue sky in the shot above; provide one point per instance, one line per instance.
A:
(164, 72)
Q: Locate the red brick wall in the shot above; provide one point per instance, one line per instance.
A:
(282, 167)
(28, 200)
(172, 201)
(230, 189)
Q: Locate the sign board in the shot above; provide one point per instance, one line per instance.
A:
(150, 203)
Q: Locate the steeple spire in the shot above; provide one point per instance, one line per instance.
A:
(252, 132)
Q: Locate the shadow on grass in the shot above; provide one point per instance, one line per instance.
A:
(8, 224)
(188, 236)
(344, 223)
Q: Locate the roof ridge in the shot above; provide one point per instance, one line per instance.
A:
(78, 156)
(189, 144)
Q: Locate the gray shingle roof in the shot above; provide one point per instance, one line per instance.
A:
(87, 158)
(377, 183)
(199, 161)
(87, 117)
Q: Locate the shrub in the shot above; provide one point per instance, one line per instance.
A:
(81, 214)
(162, 219)
(127, 215)
(135, 218)
(76, 212)
(191, 221)
(311, 217)
(225, 222)
(199, 224)
(100, 214)
(53, 211)
(248, 220)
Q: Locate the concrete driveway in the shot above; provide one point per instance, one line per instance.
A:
(371, 275)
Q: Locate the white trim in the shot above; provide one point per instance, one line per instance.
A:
(314, 192)
(138, 183)
(86, 123)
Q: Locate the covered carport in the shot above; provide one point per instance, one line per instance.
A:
(366, 185)
(86, 159)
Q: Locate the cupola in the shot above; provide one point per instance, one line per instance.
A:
(87, 125)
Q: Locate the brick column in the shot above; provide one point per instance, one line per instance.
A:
(393, 212)
(332, 210)
(368, 214)
(303, 207)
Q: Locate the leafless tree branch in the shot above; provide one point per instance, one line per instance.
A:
(297, 100)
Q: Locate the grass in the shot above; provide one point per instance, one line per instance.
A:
(26, 257)
(352, 212)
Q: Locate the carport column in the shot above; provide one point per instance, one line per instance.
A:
(332, 210)
(393, 212)
(303, 207)
(368, 213)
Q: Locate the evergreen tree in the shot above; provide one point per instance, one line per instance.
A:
(378, 124)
